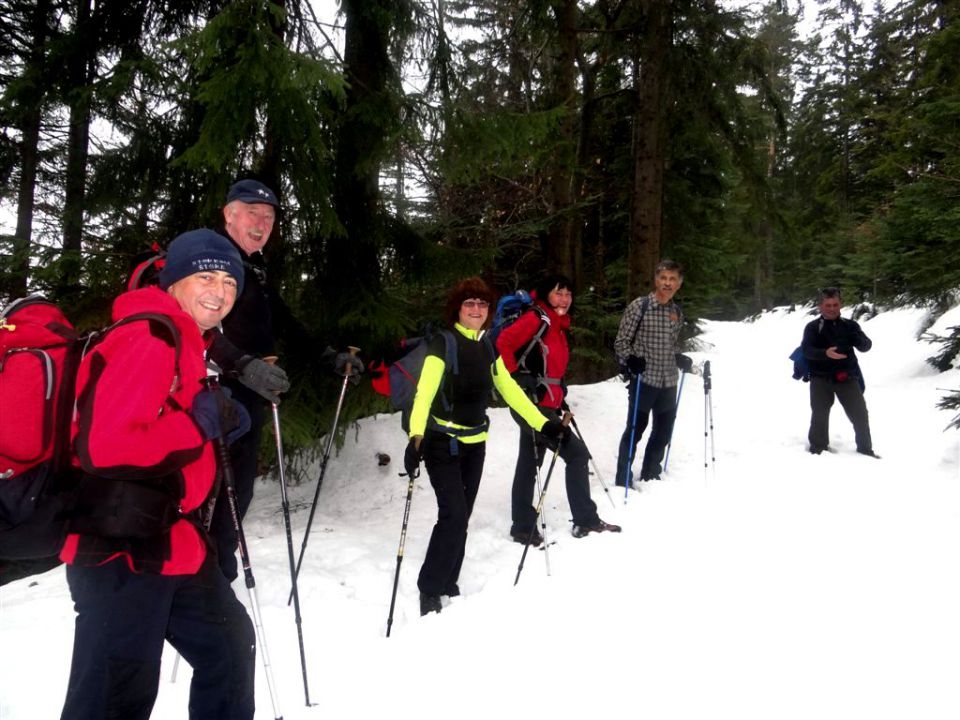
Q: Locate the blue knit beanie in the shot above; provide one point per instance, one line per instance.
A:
(198, 250)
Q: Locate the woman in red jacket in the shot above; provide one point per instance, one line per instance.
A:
(542, 376)
(139, 567)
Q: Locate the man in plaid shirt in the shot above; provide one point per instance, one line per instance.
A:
(646, 348)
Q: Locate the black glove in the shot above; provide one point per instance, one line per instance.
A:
(411, 459)
(684, 363)
(263, 378)
(636, 365)
(346, 364)
(216, 414)
(553, 430)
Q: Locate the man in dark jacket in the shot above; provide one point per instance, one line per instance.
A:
(249, 216)
(828, 345)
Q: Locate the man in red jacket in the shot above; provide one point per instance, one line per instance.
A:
(542, 376)
(139, 566)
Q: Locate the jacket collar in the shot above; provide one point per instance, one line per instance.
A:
(559, 321)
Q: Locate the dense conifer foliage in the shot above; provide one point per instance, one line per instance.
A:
(413, 142)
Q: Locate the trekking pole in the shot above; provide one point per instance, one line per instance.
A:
(628, 477)
(676, 410)
(543, 515)
(226, 473)
(713, 449)
(707, 413)
(323, 467)
(403, 542)
(543, 493)
(285, 504)
(596, 470)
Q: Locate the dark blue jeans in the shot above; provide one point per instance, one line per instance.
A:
(122, 621)
(662, 404)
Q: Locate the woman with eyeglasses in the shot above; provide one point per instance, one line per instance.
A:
(448, 429)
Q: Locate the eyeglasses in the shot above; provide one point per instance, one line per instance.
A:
(479, 304)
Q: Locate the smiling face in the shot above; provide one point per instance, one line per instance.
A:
(206, 296)
(249, 224)
(560, 300)
(473, 313)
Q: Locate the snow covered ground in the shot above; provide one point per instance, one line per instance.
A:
(771, 584)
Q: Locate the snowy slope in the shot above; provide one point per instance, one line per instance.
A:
(770, 584)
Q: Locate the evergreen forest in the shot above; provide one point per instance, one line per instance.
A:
(415, 142)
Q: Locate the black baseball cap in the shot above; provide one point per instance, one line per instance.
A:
(252, 191)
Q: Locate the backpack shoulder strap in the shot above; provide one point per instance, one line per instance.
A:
(644, 306)
(157, 320)
(537, 336)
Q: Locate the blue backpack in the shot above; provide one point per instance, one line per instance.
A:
(509, 309)
(801, 368)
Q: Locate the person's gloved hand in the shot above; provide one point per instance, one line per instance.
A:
(217, 415)
(554, 431)
(684, 363)
(346, 364)
(636, 365)
(412, 457)
(265, 379)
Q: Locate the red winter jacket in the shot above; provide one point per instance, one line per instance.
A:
(555, 347)
(132, 422)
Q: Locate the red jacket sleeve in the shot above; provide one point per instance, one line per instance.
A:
(127, 427)
(516, 337)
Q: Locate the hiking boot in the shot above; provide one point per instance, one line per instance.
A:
(452, 591)
(429, 604)
(652, 477)
(521, 537)
(580, 531)
(633, 485)
(869, 453)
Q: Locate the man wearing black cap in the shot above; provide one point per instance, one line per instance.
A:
(248, 216)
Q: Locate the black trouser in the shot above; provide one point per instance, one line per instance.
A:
(244, 454)
(529, 456)
(822, 392)
(455, 478)
(123, 619)
(662, 402)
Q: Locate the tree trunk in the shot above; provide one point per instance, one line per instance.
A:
(80, 73)
(557, 249)
(31, 115)
(646, 212)
(353, 269)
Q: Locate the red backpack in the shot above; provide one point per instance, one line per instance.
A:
(39, 355)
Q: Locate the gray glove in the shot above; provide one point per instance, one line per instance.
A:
(346, 364)
(263, 378)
